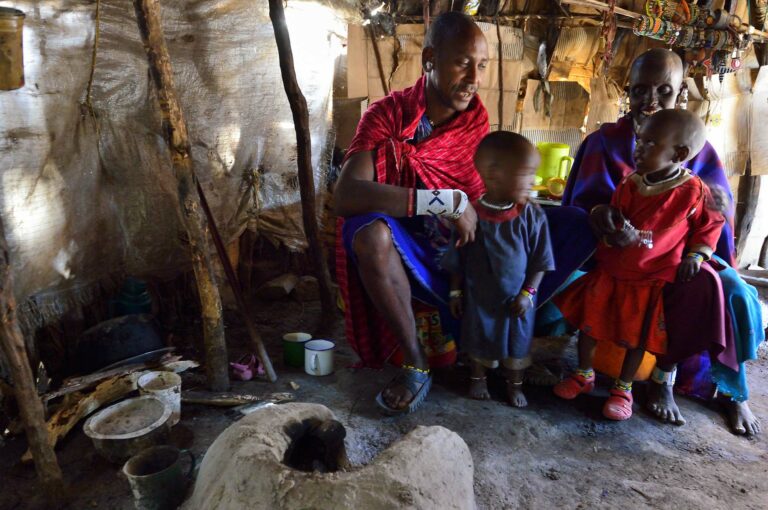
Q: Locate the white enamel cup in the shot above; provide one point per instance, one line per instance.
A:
(318, 357)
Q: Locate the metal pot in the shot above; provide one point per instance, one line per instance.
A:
(128, 427)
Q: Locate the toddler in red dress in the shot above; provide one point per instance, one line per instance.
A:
(666, 226)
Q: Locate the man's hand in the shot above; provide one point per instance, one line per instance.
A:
(465, 226)
(520, 305)
(457, 307)
(603, 220)
(689, 267)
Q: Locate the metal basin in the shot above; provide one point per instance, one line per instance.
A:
(128, 427)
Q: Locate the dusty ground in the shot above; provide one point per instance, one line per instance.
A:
(550, 455)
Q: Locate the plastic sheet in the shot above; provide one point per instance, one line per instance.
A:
(86, 195)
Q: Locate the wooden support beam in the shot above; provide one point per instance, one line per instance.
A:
(749, 192)
(192, 215)
(30, 405)
(304, 159)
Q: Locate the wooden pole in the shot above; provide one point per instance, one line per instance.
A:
(501, 76)
(377, 54)
(304, 155)
(30, 405)
(229, 271)
(192, 216)
(749, 192)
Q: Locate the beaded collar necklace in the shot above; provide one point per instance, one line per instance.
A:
(663, 181)
(496, 207)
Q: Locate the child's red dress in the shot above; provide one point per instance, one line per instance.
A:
(621, 300)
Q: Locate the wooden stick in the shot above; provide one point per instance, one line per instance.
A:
(600, 6)
(175, 127)
(749, 191)
(744, 28)
(501, 76)
(375, 44)
(304, 160)
(229, 271)
(226, 399)
(30, 406)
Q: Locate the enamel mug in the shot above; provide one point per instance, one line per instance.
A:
(318, 357)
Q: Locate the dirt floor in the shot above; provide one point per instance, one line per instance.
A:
(549, 455)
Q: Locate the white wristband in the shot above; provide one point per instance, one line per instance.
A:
(439, 202)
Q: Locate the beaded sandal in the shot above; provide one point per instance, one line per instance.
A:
(574, 386)
(618, 407)
(415, 380)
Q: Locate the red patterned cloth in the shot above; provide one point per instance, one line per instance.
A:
(442, 160)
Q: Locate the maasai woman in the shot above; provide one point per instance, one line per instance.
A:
(663, 212)
(604, 158)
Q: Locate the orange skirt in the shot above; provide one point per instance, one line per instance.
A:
(628, 313)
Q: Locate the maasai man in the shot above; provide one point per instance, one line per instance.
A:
(604, 158)
(407, 175)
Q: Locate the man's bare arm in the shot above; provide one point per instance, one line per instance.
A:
(357, 193)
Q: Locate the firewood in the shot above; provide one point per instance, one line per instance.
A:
(73, 384)
(78, 405)
(230, 399)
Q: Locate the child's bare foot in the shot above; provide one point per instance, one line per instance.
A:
(661, 403)
(740, 416)
(478, 388)
(515, 394)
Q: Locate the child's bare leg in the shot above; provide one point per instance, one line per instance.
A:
(632, 360)
(582, 380)
(478, 387)
(515, 393)
(661, 401)
(587, 346)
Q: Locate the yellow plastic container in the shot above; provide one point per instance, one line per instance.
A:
(609, 357)
(555, 165)
(11, 51)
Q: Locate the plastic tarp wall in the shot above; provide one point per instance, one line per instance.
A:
(85, 195)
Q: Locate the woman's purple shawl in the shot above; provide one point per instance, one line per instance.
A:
(605, 157)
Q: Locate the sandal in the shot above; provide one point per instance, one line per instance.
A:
(618, 407)
(246, 368)
(574, 386)
(418, 382)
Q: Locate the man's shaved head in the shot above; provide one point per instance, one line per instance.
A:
(448, 27)
(454, 59)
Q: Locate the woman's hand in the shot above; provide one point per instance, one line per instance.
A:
(520, 305)
(689, 267)
(465, 226)
(457, 308)
(603, 220)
